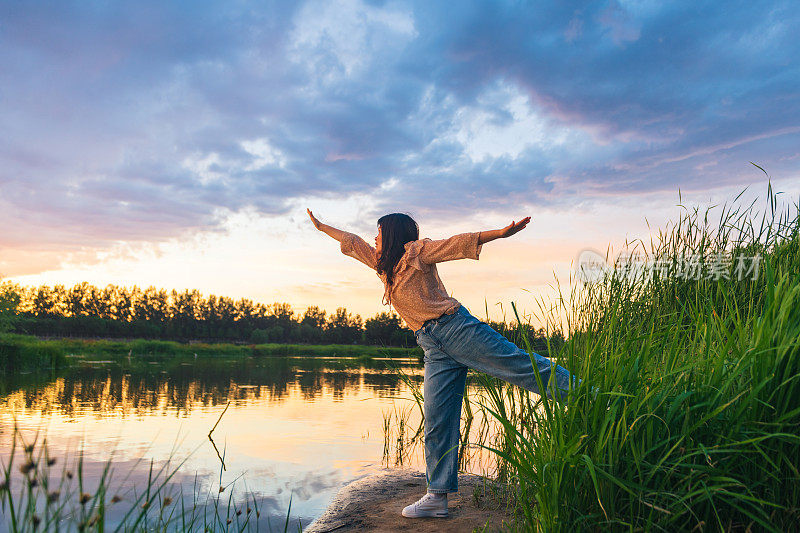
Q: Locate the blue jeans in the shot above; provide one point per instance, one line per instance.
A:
(452, 344)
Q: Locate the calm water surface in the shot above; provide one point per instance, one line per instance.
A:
(298, 428)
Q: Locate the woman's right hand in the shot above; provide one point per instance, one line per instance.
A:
(314, 220)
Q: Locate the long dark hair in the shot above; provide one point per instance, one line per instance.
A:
(396, 230)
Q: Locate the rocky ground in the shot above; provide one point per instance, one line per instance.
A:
(374, 504)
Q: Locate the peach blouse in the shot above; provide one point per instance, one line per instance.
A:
(417, 293)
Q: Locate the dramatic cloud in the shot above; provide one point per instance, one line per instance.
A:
(146, 120)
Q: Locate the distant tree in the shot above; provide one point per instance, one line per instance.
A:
(76, 299)
(275, 334)
(343, 327)
(314, 317)
(160, 305)
(153, 305)
(259, 336)
(382, 329)
(283, 313)
(59, 308)
(43, 302)
(97, 302)
(123, 304)
(138, 307)
(184, 311)
(404, 338)
(295, 333)
(226, 309)
(310, 334)
(246, 313)
(9, 302)
(209, 315)
(112, 311)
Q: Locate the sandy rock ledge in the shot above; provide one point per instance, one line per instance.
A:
(374, 503)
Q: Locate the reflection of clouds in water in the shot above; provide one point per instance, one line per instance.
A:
(315, 482)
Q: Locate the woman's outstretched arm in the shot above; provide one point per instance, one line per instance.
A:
(351, 244)
(328, 230)
(463, 245)
(508, 231)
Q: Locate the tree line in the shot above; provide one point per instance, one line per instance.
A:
(85, 310)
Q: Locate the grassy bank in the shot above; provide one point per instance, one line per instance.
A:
(697, 422)
(20, 352)
(26, 354)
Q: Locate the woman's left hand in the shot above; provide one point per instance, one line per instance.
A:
(514, 227)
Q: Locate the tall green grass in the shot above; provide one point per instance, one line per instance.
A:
(697, 422)
(20, 353)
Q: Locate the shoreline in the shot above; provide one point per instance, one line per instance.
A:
(30, 353)
(374, 503)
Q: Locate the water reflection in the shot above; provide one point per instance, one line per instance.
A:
(295, 427)
(113, 390)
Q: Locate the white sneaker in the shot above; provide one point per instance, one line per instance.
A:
(427, 506)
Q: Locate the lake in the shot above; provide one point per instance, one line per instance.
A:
(295, 429)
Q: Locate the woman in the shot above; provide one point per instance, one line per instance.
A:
(452, 339)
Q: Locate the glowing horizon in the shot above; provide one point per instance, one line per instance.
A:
(528, 269)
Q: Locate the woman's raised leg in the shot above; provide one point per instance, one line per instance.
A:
(477, 345)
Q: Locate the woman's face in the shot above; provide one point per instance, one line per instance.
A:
(378, 241)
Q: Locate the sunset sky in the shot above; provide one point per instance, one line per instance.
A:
(177, 144)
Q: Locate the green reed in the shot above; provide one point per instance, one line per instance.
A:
(20, 353)
(696, 423)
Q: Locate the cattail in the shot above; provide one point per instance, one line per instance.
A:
(27, 466)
